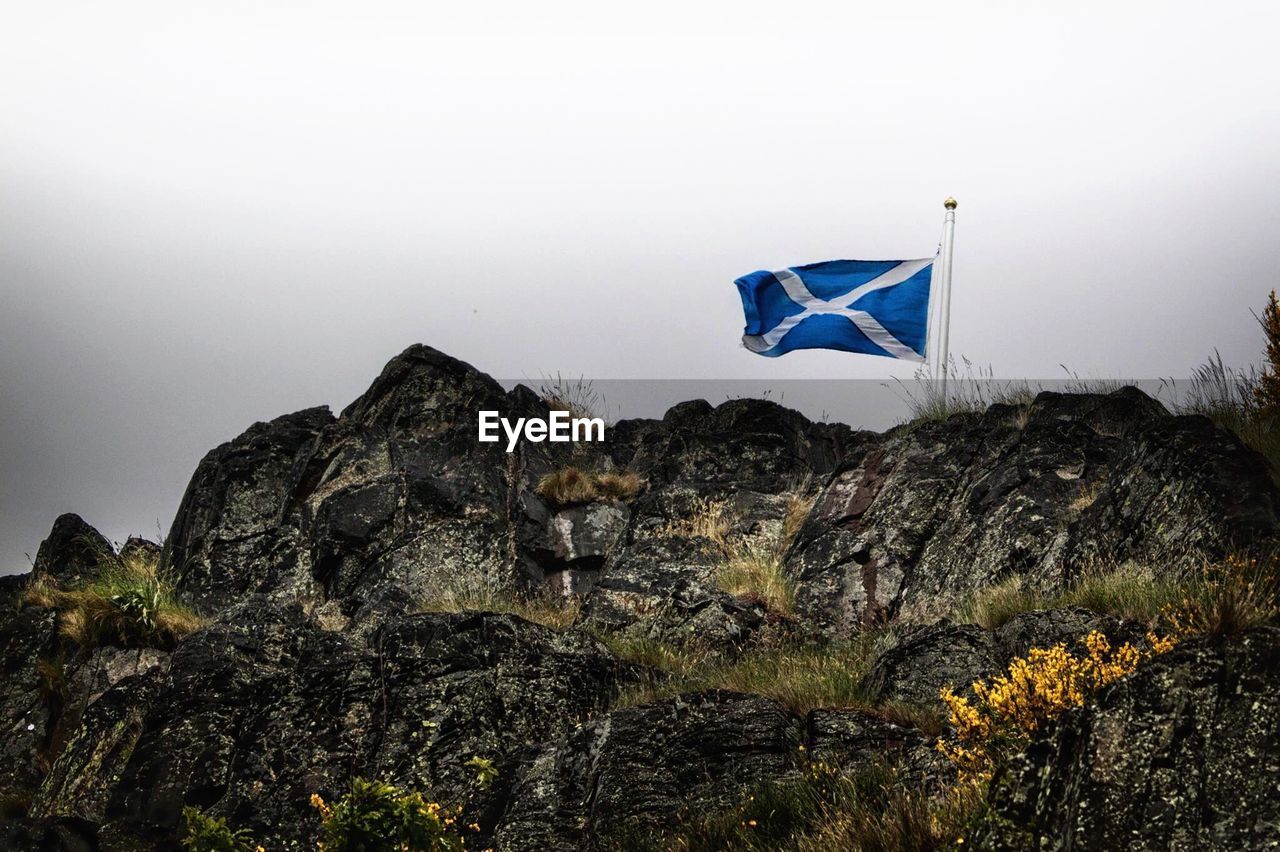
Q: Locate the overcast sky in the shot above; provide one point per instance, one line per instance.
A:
(215, 214)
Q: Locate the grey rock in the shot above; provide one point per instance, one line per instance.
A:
(1047, 628)
(235, 532)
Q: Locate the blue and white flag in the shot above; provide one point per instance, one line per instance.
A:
(877, 307)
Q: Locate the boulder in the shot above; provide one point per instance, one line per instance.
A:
(1183, 754)
(636, 770)
(939, 510)
(664, 589)
(72, 552)
(925, 660)
(236, 531)
(252, 717)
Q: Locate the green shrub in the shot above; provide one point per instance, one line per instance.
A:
(212, 834)
(378, 817)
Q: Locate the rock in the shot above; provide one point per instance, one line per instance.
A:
(72, 552)
(925, 660)
(664, 589)
(310, 542)
(582, 538)
(136, 547)
(252, 717)
(236, 531)
(636, 770)
(1184, 753)
(60, 835)
(1047, 628)
(1181, 492)
(748, 444)
(854, 739)
(1115, 413)
(27, 637)
(940, 510)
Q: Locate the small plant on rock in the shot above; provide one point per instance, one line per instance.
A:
(129, 602)
(379, 817)
(1267, 391)
(212, 834)
(571, 486)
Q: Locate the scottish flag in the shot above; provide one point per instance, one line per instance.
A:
(877, 307)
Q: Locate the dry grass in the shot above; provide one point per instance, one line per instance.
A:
(1087, 497)
(1232, 399)
(870, 809)
(751, 566)
(753, 571)
(707, 519)
(1125, 591)
(475, 594)
(571, 486)
(618, 486)
(129, 602)
(1229, 597)
(577, 396)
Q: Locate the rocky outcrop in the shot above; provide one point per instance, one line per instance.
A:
(251, 717)
(234, 533)
(1184, 754)
(918, 666)
(938, 511)
(72, 552)
(312, 542)
(637, 771)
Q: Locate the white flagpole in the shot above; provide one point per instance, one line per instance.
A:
(944, 326)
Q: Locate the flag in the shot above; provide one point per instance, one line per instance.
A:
(876, 307)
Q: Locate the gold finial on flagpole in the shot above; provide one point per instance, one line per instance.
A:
(950, 203)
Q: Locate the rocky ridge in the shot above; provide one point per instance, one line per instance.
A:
(313, 542)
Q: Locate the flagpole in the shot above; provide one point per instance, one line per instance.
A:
(944, 326)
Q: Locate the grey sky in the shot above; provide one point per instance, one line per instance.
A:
(213, 216)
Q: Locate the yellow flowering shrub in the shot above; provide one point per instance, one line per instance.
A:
(1004, 712)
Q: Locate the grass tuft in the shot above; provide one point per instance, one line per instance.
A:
(1229, 597)
(129, 602)
(472, 594)
(802, 678)
(751, 566)
(871, 809)
(1125, 592)
(576, 396)
(571, 486)
(1232, 399)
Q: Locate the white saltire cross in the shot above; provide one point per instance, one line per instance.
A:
(840, 306)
